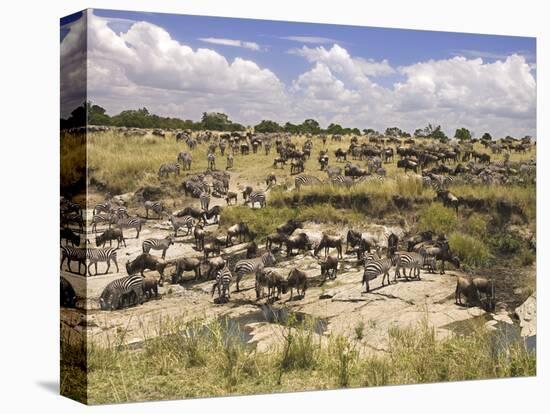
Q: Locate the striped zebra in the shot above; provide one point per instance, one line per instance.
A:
(251, 266)
(205, 200)
(302, 180)
(181, 222)
(223, 283)
(75, 254)
(156, 206)
(102, 219)
(377, 267)
(414, 262)
(257, 197)
(117, 294)
(130, 223)
(341, 180)
(211, 158)
(104, 254)
(120, 212)
(167, 169)
(157, 244)
(104, 207)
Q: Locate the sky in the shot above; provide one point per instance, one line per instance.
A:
(365, 77)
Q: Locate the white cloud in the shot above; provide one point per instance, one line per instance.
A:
(310, 39)
(231, 42)
(145, 66)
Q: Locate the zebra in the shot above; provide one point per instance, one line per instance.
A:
(341, 180)
(211, 161)
(249, 266)
(222, 283)
(166, 169)
(130, 223)
(180, 222)
(413, 261)
(229, 161)
(257, 197)
(105, 254)
(119, 212)
(186, 159)
(104, 207)
(76, 254)
(157, 207)
(102, 218)
(157, 244)
(205, 200)
(377, 267)
(115, 292)
(302, 180)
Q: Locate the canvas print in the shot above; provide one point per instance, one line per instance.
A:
(254, 206)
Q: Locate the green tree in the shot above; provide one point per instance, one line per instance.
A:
(310, 126)
(267, 126)
(486, 137)
(335, 129)
(463, 134)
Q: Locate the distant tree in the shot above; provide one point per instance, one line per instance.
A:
(463, 134)
(335, 129)
(355, 131)
(486, 137)
(394, 132)
(97, 115)
(267, 126)
(369, 131)
(76, 119)
(291, 128)
(310, 126)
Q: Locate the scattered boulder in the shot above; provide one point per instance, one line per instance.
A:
(527, 314)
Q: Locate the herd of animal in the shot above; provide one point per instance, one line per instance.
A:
(436, 164)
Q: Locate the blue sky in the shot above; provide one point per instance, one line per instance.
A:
(363, 76)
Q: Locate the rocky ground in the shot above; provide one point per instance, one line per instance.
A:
(340, 306)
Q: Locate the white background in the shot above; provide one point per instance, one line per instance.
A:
(29, 146)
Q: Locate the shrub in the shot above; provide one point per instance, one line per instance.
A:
(471, 250)
(438, 218)
(476, 225)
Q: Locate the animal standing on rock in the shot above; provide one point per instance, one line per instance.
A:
(297, 279)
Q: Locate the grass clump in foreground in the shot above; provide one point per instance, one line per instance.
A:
(200, 359)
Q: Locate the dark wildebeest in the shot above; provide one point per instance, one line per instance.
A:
(297, 280)
(327, 242)
(145, 261)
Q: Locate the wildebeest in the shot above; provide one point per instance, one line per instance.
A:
(328, 241)
(448, 199)
(270, 278)
(289, 227)
(239, 230)
(108, 236)
(441, 251)
(329, 267)
(299, 241)
(297, 279)
(213, 265)
(70, 236)
(67, 294)
(277, 238)
(145, 261)
(187, 264)
(150, 287)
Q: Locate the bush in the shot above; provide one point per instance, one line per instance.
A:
(438, 219)
(476, 225)
(471, 250)
(507, 243)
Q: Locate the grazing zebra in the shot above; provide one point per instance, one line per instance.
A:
(130, 223)
(342, 180)
(181, 222)
(413, 261)
(166, 169)
(222, 283)
(119, 212)
(157, 244)
(156, 206)
(115, 293)
(229, 161)
(257, 197)
(377, 267)
(105, 254)
(205, 200)
(302, 180)
(211, 161)
(76, 254)
(102, 218)
(249, 266)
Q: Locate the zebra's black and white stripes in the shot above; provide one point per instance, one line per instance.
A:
(157, 244)
(303, 180)
(118, 293)
(249, 266)
(73, 254)
(104, 254)
(130, 223)
(414, 262)
(205, 200)
(223, 283)
(257, 197)
(375, 268)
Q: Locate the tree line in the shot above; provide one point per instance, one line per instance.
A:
(217, 121)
